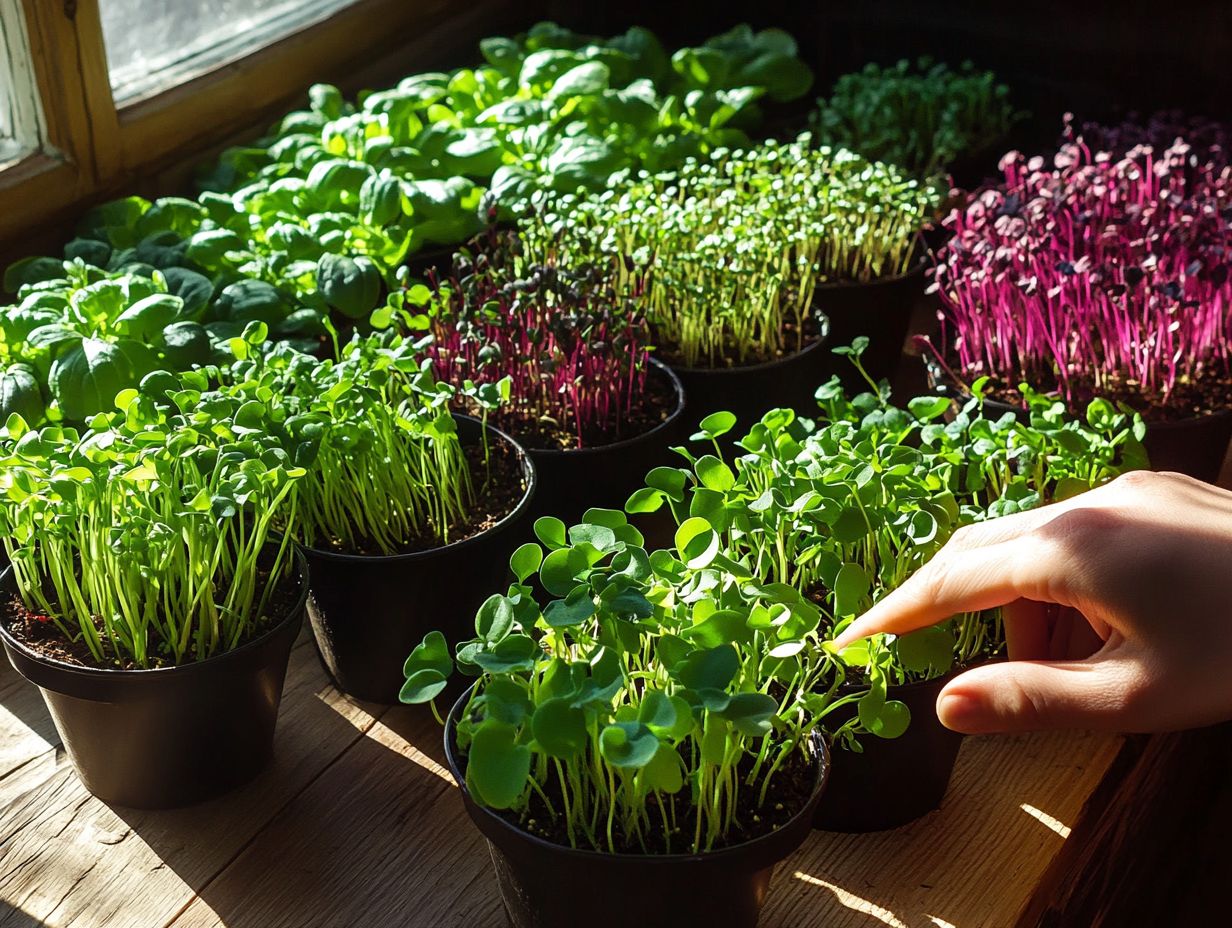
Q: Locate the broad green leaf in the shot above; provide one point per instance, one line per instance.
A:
(750, 713)
(714, 474)
(697, 542)
(21, 394)
(927, 651)
(526, 560)
(628, 745)
(850, 588)
(664, 772)
(497, 766)
(710, 668)
(351, 286)
(559, 728)
(551, 531)
(495, 619)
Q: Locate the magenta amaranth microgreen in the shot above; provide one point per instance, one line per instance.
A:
(573, 347)
(1099, 276)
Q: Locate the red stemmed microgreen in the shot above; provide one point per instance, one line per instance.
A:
(1097, 276)
(571, 345)
(1209, 141)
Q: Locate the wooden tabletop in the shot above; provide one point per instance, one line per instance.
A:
(358, 824)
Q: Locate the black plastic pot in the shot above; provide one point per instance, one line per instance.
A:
(369, 612)
(893, 781)
(1197, 446)
(881, 310)
(159, 739)
(574, 480)
(545, 885)
(750, 392)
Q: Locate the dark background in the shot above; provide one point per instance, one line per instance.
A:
(1097, 59)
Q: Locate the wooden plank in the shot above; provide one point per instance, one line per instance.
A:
(67, 859)
(973, 862)
(1158, 852)
(26, 731)
(380, 839)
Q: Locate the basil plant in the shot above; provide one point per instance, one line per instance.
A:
(78, 335)
(656, 703)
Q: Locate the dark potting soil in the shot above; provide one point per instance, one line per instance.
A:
(653, 409)
(1188, 400)
(790, 791)
(792, 338)
(498, 486)
(40, 634)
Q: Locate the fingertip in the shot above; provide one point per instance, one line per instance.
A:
(963, 713)
(859, 629)
(845, 638)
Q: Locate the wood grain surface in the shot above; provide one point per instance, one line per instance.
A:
(357, 824)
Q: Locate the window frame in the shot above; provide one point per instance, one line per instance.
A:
(92, 149)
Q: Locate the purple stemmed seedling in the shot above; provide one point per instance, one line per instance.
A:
(1095, 277)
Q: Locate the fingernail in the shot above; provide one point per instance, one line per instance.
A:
(961, 713)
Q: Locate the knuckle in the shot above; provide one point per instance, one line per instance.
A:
(1077, 529)
(1030, 707)
(1137, 479)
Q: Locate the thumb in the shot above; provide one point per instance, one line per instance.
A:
(1018, 696)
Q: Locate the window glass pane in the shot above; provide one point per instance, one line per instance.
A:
(21, 131)
(153, 45)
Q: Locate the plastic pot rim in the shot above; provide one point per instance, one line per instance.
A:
(917, 269)
(815, 345)
(821, 754)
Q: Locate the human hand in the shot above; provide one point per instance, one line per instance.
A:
(1117, 608)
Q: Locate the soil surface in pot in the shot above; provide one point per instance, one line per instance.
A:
(812, 332)
(36, 631)
(499, 488)
(790, 791)
(656, 404)
(1212, 394)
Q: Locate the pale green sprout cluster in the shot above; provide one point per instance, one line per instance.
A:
(733, 247)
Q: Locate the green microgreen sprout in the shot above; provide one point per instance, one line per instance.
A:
(150, 536)
(651, 706)
(845, 508)
(390, 473)
(735, 244)
(921, 118)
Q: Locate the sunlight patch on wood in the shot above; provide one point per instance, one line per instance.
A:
(852, 901)
(427, 763)
(1051, 822)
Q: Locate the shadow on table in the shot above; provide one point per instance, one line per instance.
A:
(353, 823)
(375, 836)
(24, 701)
(13, 917)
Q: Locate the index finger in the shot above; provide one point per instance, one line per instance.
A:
(966, 581)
